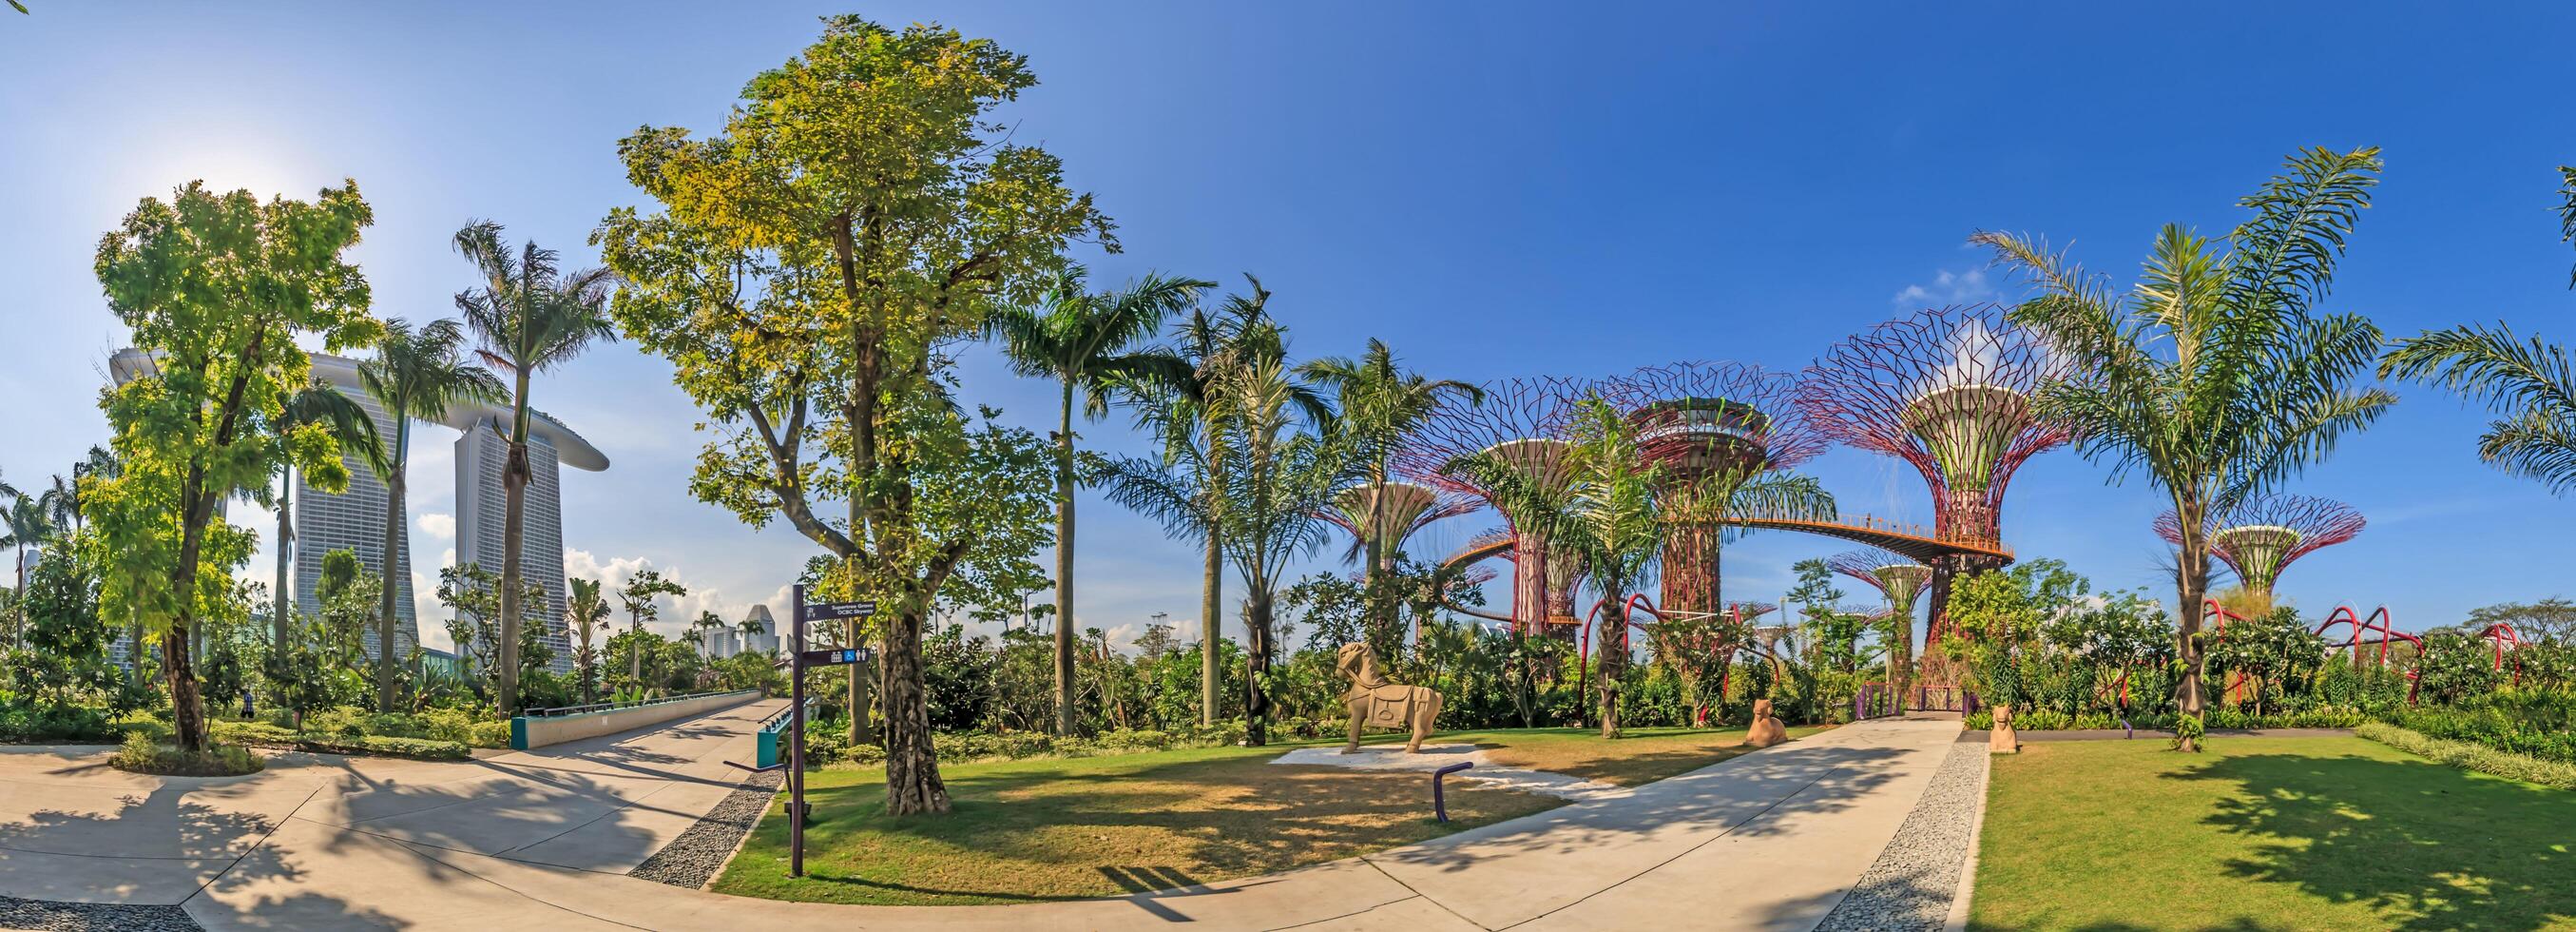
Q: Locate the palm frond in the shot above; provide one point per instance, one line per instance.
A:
(2302, 218)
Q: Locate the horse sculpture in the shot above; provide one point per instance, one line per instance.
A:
(1374, 702)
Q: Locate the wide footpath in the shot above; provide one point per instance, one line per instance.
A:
(1772, 839)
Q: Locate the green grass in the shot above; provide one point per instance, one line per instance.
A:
(1098, 826)
(2268, 833)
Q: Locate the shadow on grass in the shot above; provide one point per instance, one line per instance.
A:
(2424, 845)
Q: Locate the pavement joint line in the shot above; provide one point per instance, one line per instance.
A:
(254, 848)
(1362, 912)
(1427, 898)
(1730, 830)
(112, 857)
(412, 849)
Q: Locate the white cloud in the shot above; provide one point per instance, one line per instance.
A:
(673, 613)
(1948, 287)
(440, 526)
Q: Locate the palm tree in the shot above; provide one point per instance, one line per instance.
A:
(416, 374)
(98, 463)
(2531, 385)
(317, 403)
(586, 614)
(531, 316)
(1088, 342)
(2215, 375)
(28, 521)
(1382, 405)
(1277, 473)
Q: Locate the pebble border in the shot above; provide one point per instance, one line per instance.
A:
(57, 916)
(1914, 880)
(695, 857)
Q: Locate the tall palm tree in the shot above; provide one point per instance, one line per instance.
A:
(1277, 474)
(1088, 342)
(416, 374)
(2215, 376)
(98, 463)
(530, 316)
(28, 521)
(2531, 385)
(1382, 405)
(316, 403)
(587, 614)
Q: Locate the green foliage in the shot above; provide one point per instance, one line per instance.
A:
(144, 754)
(2273, 652)
(2188, 734)
(2475, 756)
(2528, 384)
(2536, 724)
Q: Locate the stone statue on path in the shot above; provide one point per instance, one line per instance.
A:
(1375, 703)
(1766, 729)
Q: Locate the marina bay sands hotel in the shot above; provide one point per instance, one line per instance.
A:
(354, 519)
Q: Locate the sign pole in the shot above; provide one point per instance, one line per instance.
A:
(796, 737)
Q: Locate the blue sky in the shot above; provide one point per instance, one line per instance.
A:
(1496, 190)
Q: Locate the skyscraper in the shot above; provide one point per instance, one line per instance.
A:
(482, 510)
(353, 519)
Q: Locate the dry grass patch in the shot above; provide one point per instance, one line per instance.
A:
(1643, 755)
(1103, 826)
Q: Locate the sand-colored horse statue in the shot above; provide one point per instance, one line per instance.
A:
(1373, 702)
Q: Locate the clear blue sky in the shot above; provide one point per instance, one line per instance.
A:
(1494, 189)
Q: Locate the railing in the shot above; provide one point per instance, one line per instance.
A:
(766, 740)
(1875, 700)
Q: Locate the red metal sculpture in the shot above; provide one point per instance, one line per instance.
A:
(1714, 427)
(2263, 536)
(1522, 423)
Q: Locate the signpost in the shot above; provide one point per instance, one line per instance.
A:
(799, 659)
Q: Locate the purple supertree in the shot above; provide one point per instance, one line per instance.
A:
(1948, 391)
(1901, 580)
(1403, 507)
(1522, 424)
(1714, 426)
(2262, 536)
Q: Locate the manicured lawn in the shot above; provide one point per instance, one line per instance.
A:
(1641, 755)
(2268, 833)
(1099, 826)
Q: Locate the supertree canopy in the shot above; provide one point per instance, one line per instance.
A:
(1714, 426)
(1391, 512)
(1900, 579)
(2262, 536)
(1948, 391)
(1521, 427)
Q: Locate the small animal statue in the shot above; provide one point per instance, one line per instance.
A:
(1375, 703)
(2003, 740)
(1766, 729)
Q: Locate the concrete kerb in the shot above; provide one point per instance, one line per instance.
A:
(531, 732)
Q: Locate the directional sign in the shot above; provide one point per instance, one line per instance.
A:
(839, 611)
(836, 657)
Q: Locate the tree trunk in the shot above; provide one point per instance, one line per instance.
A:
(862, 730)
(514, 485)
(1212, 627)
(1520, 655)
(1256, 663)
(394, 531)
(912, 765)
(178, 663)
(1064, 712)
(2193, 582)
(1614, 660)
(282, 595)
(635, 652)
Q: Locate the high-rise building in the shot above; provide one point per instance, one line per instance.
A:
(765, 642)
(354, 519)
(482, 511)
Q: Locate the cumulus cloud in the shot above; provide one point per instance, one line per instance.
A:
(1948, 287)
(437, 525)
(673, 613)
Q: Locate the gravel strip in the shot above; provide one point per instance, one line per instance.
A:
(1915, 878)
(55, 916)
(694, 858)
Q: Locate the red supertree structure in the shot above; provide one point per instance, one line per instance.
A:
(1521, 426)
(1949, 391)
(2264, 535)
(1902, 581)
(1714, 426)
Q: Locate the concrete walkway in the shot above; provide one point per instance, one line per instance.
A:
(543, 839)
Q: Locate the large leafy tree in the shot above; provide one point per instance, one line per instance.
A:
(531, 316)
(216, 289)
(417, 373)
(1089, 342)
(807, 276)
(639, 597)
(586, 615)
(2215, 376)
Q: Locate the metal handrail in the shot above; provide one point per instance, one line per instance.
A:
(561, 711)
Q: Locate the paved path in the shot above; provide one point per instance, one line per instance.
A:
(543, 839)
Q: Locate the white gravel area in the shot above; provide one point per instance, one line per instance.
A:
(1916, 878)
(1436, 756)
(695, 857)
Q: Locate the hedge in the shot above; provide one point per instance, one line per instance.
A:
(2468, 756)
(262, 733)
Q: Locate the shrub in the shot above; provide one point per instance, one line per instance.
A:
(2480, 758)
(2189, 729)
(47, 723)
(142, 754)
(2541, 725)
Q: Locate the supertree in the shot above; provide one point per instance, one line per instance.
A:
(1901, 580)
(1949, 391)
(2262, 536)
(1716, 428)
(1521, 426)
(1403, 507)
